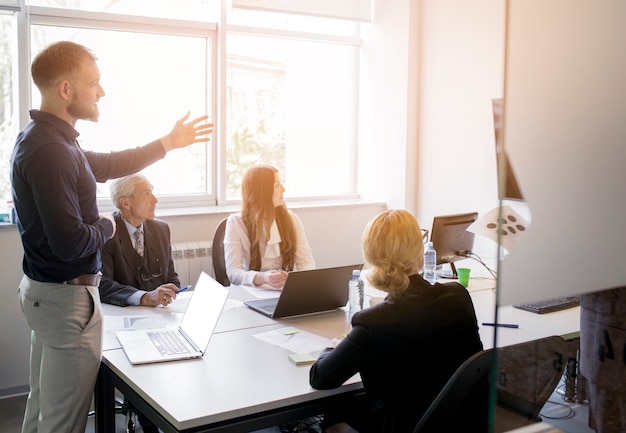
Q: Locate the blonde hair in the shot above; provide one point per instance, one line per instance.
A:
(392, 245)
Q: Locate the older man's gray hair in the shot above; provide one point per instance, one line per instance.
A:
(125, 187)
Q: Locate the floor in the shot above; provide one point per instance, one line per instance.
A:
(569, 417)
(12, 411)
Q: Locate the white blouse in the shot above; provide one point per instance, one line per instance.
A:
(237, 250)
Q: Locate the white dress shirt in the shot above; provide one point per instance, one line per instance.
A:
(237, 250)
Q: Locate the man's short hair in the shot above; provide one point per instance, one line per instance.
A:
(58, 61)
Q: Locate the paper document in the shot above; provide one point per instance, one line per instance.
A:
(295, 340)
(119, 323)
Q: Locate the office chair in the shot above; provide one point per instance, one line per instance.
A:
(526, 376)
(463, 397)
(219, 263)
(468, 388)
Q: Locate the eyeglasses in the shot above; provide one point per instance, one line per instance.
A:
(148, 270)
(424, 235)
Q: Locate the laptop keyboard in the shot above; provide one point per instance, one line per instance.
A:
(168, 342)
(267, 305)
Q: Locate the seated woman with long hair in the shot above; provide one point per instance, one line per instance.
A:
(266, 240)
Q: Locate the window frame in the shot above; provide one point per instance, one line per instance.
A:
(36, 15)
(216, 34)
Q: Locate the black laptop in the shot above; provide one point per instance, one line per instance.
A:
(309, 291)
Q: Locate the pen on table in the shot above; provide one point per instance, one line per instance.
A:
(182, 289)
(501, 325)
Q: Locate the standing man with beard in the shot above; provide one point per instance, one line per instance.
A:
(54, 191)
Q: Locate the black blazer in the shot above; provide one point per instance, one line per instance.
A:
(405, 350)
(124, 272)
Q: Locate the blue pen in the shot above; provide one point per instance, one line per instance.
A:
(502, 325)
(183, 289)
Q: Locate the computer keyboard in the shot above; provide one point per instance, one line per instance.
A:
(167, 342)
(550, 305)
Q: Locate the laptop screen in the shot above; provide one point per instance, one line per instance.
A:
(208, 299)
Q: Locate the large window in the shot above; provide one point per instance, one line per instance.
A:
(292, 101)
(288, 96)
(150, 81)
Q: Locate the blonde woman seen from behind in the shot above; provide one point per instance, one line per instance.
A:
(410, 344)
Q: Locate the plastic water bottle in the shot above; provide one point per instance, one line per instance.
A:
(430, 263)
(355, 293)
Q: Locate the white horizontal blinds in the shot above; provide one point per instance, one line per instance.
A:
(10, 5)
(357, 10)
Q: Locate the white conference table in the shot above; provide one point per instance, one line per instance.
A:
(243, 383)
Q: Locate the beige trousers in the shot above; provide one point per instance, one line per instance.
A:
(66, 347)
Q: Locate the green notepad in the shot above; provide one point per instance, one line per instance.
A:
(301, 358)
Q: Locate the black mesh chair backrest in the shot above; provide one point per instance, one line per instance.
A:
(219, 264)
(463, 399)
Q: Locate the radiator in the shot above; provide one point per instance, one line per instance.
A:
(190, 258)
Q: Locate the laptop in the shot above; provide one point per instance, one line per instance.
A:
(309, 291)
(191, 339)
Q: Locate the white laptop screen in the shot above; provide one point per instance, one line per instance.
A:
(203, 311)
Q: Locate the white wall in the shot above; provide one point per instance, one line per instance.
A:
(387, 136)
(427, 139)
(15, 336)
(462, 65)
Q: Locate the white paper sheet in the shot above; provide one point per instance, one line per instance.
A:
(295, 340)
(511, 226)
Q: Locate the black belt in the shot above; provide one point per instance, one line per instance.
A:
(86, 280)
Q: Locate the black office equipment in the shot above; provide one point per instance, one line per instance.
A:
(217, 254)
(551, 305)
(309, 291)
(451, 239)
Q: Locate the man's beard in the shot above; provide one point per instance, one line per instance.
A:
(79, 111)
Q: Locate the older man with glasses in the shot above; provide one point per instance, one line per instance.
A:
(137, 265)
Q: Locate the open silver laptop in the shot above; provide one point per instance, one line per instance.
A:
(193, 334)
(308, 292)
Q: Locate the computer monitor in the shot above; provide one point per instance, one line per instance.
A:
(451, 239)
(508, 189)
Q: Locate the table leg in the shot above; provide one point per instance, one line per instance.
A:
(104, 402)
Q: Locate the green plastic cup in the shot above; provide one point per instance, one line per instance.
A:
(464, 274)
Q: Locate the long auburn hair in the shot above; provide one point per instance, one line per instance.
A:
(258, 213)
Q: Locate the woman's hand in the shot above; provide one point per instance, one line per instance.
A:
(275, 279)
